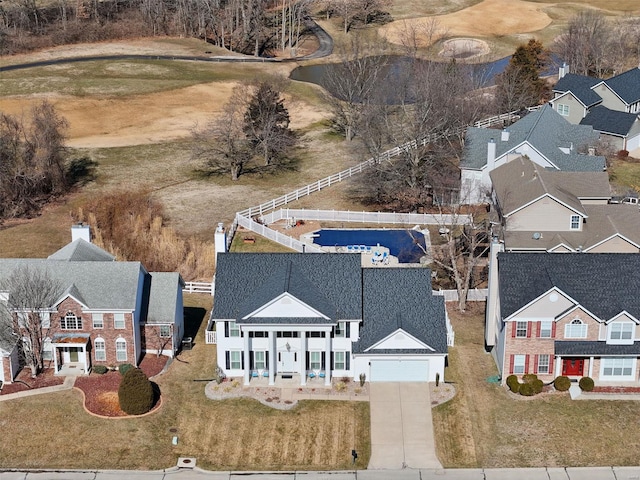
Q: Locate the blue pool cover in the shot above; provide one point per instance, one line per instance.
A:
(403, 244)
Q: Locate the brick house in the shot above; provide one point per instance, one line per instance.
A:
(574, 314)
(109, 313)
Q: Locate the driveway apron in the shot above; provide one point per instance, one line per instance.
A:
(401, 426)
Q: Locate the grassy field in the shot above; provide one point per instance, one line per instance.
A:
(230, 434)
(485, 426)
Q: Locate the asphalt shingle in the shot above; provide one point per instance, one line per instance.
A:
(580, 86)
(610, 121)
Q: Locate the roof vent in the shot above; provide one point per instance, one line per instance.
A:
(537, 236)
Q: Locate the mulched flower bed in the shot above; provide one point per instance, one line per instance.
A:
(616, 390)
(45, 379)
(101, 391)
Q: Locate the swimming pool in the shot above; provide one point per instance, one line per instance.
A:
(404, 244)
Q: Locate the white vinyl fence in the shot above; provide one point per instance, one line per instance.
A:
(473, 295)
(198, 287)
(364, 217)
(282, 239)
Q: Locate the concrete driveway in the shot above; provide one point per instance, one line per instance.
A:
(401, 426)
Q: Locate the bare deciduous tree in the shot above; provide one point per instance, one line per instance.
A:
(32, 293)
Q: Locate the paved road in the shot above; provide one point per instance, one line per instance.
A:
(401, 426)
(590, 473)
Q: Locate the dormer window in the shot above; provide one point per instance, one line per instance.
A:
(620, 332)
(575, 222)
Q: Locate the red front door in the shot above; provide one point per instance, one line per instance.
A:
(572, 367)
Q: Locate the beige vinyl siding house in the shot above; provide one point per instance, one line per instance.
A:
(544, 214)
(569, 107)
(610, 99)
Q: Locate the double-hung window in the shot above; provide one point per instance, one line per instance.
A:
(338, 360)
(47, 350)
(575, 329)
(575, 222)
(521, 329)
(546, 328)
(543, 363)
(100, 350)
(340, 330)
(118, 320)
(98, 320)
(259, 360)
(621, 332)
(121, 350)
(234, 330)
(235, 359)
(563, 110)
(618, 367)
(518, 364)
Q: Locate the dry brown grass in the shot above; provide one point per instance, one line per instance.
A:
(484, 426)
(230, 434)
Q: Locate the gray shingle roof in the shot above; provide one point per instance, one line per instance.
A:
(546, 131)
(163, 296)
(401, 298)
(241, 278)
(603, 283)
(82, 251)
(594, 348)
(107, 285)
(626, 85)
(580, 86)
(605, 120)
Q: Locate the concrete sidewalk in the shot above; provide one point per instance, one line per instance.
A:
(68, 383)
(401, 426)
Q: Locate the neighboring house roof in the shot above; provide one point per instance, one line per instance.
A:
(521, 181)
(544, 130)
(603, 222)
(580, 86)
(603, 283)
(162, 297)
(626, 85)
(401, 298)
(109, 285)
(82, 251)
(336, 281)
(610, 121)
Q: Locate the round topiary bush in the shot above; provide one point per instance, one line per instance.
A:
(527, 390)
(529, 377)
(135, 393)
(537, 385)
(124, 368)
(586, 384)
(562, 383)
(100, 369)
(513, 383)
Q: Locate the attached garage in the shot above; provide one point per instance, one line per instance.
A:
(399, 371)
(633, 143)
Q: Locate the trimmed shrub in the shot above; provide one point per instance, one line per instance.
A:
(537, 385)
(586, 384)
(562, 383)
(100, 369)
(527, 390)
(513, 383)
(124, 368)
(623, 154)
(135, 393)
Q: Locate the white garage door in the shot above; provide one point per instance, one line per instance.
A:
(399, 371)
(633, 143)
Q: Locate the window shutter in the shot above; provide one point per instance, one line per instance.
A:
(538, 327)
(331, 363)
(348, 330)
(251, 360)
(535, 362)
(526, 364)
(513, 329)
(511, 359)
(322, 361)
(551, 364)
(306, 360)
(226, 330)
(529, 328)
(242, 361)
(227, 358)
(347, 359)
(553, 329)
(266, 359)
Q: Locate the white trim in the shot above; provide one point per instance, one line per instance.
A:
(631, 377)
(567, 92)
(280, 297)
(68, 295)
(623, 312)
(398, 330)
(621, 341)
(568, 247)
(581, 307)
(513, 151)
(603, 82)
(611, 237)
(551, 290)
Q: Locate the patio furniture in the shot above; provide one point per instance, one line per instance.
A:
(265, 374)
(254, 374)
(312, 375)
(321, 375)
(367, 249)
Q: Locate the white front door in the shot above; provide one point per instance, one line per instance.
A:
(287, 362)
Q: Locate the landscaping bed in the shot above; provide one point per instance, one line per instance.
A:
(101, 391)
(45, 379)
(615, 390)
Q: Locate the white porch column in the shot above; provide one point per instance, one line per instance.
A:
(245, 352)
(272, 358)
(591, 367)
(303, 358)
(327, 359)
(558, 370)
(86, 363)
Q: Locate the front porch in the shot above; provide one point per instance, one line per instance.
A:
(286, 380)
(70, 354)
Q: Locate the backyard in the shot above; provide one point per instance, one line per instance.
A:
(486, 426)
(233, 434)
